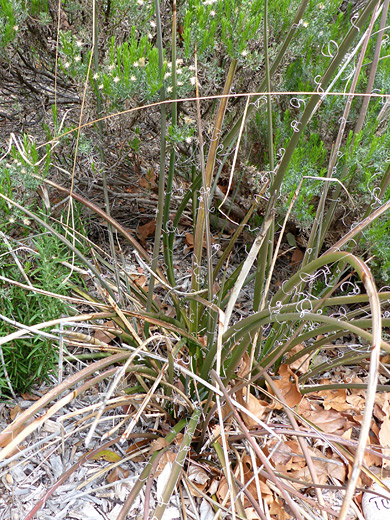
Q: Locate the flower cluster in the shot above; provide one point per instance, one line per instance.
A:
(71, 54)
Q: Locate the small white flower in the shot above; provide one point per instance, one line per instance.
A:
(26, 222)
(111, 67)
(188, 120)
(101, 86)
(153, 24)
(167, 75)
(116, 79)
(188, 140)
(133, 78)
(244, 53)
(140, 2)
(192, 67)
(141, 62)
(193, 80)
(179, 71)
(79, 43)
(136, 64)
(321, 6)
(212, 13)
(179, 61)
(16, 28)
(77, 58)
(95, 76)
(66, 65)
(169, 89)
(24, 170)
(11, 220)
(304, 23)
(180, 83)
(169, 65)
(150, 36)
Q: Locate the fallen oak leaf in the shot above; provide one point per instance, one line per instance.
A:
(357, 402)
(138, 449)
(296, 257)
(243, 366)
(288, 388)
(117, 474)
(384, 436)
(14, 412)
(164, 471)
(223, 491)
(326, 466)
(278, 511)
(197, 474)
(370, 457)
(139, 280)
(103, 335)
(107, 455)
(158, 444)
(381, 401)
(27, 396)
(147, 230)
(251, 514)
(148, 181)
(287, 456)
(335, 399)
(249, 481)
(189, 237)
(266, 493)
(301, 365)
(329, 421)
(256, 406)
(199, 478)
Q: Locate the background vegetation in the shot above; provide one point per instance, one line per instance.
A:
(251, 135)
